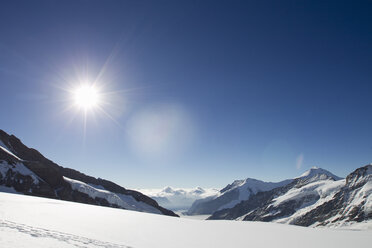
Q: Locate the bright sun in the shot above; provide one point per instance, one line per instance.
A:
(86, 97)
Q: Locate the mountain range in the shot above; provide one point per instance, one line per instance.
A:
(178, 199)
(25, 170)
(315, 198)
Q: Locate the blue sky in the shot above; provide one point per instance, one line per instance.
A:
(196, 93)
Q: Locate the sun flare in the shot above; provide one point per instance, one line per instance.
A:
(86, 97)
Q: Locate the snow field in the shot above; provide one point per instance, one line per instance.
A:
(27, 221)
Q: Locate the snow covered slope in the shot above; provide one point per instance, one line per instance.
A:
(315, 193)
(25, 170)
(178, 198)
(232, 194)
(33, 222)
(314, 199)
(316, 172)
(351, 203)
(15, 176)
(284, 201)
(242, 190)
(116, 199)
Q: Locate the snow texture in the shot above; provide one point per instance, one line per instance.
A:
(250, 186)
(35, 222)
(316, 171)
(324, 190)
(124, 201)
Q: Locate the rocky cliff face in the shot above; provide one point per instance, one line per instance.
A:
(27, 171)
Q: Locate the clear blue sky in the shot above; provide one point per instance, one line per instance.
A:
(196, 92)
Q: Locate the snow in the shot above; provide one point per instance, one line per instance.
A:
(325, 189)
(96, 186)
(6, 149)
(125, 201)
(35, 222)
(362, 196)
(366, 192)
(251, 186)
(314, 171)
(18, 168)
(321, 188)
(350, 225)
(179, 198)
(369, 169)
(183, 214)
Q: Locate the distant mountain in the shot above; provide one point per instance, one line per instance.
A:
(178, 198)
(316, 173)
(25, 170)
(313, 175)
(316, 198)
(232, 194)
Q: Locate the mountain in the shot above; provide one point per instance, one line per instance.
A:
(27, 171)
(351, 203)
(316, 198)
(231, 195)
(316, 173)
(292, 201)
(178, 198)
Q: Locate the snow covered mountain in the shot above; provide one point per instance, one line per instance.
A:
(315, 174)
(24, 170)
(316, 198)
(231, 195)
(34, 222)
(301, 190)
(178, 198)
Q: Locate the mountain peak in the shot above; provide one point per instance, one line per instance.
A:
(168, 189)
(316, 171)
(360, 175)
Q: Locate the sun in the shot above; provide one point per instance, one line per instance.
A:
(86, 97)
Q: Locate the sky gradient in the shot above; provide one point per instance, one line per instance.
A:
(196, 93)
